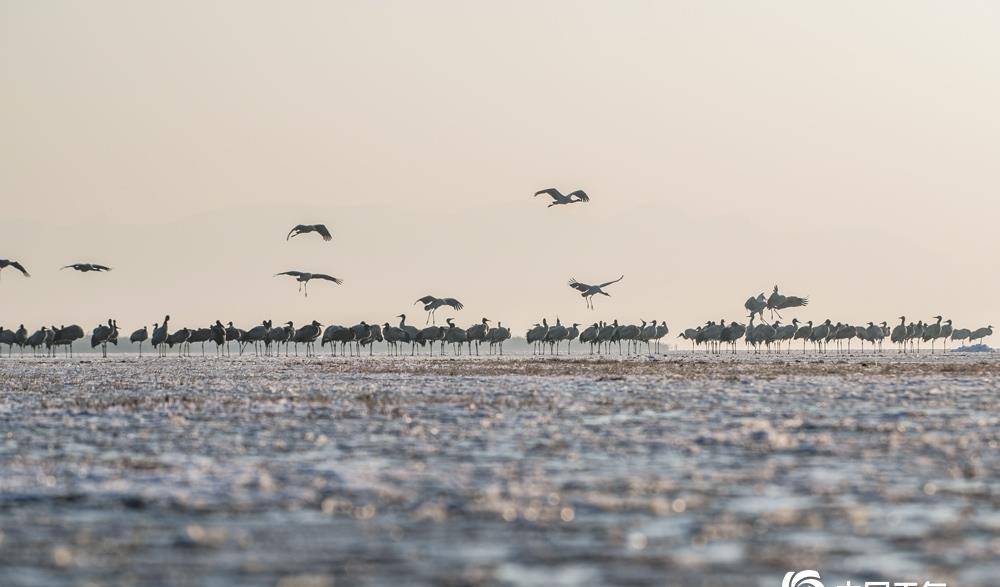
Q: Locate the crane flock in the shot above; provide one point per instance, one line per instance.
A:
(267, 339)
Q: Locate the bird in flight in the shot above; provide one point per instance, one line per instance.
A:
(7, 263)
(305, 228)
(85, 267)
(431, 304)
(589, 291)
(559, 199)
(303, 278)
(779, 302)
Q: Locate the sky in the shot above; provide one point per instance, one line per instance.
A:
(844, 151)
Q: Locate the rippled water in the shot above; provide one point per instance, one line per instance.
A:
(445, 471)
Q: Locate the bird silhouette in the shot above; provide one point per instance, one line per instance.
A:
(86, 267)
(589, 291)
(8, 263)
(558, 199)
(307, 228)
(303, 277)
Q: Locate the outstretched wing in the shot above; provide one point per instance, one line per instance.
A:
(581, 196)
(321, 228)
(292, 273)
(793, 302)
(453, 303)
(425, 300)
(552, 193)
(577, 285)
(610, 282)
(68, 267)
(328, 278)
(20, 268)
(101, 267)
(299, 228)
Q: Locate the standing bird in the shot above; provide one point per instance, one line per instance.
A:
(307, 228)
(981, 333)
(589, 291)
(410, 332)
(102, 335)
(307, 335)
(160, 335)
(477, 333)
(558, 199)
(431, 304)
(497, 335)
(946, 330)
(898, 335)
(303, 278)
(7, 263)
(9, 338)
(232, 333)
(932, 332)
(139, 336)
(86, 267)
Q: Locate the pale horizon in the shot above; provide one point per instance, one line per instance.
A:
(846, 153)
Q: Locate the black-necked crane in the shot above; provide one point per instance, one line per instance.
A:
(756, 305)
(932, 332)
(160, 336)
(307, 335)
(777, 302)
(37, 339)
(558, 199)
(946, 330)
(255, 335)
(319, 229)
(803, 333)
(589, 335)
(4, 263)
(981, 333)
(104, 334)
(87, 267)
(589, 291)
(571, 334)
(497, 336)
(555, 335)
(455, 336)
(477, 334)
(431, 304)
(536, 335)
(899, 334)
(218, 337)
(232, 334)
(139, 336)
(9, 338)
(304, 277)
(180, 338)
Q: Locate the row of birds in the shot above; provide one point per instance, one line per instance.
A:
(266, 338)
(601, 335)
(771, 336)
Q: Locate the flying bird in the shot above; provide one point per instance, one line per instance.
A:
(7, 263)
(431, 304)
(559, 199)
(85, 267)
(303, 278)
(306, 228)
(589, 291)
(776, 302)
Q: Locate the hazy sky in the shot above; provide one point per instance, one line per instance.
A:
(847, 151)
